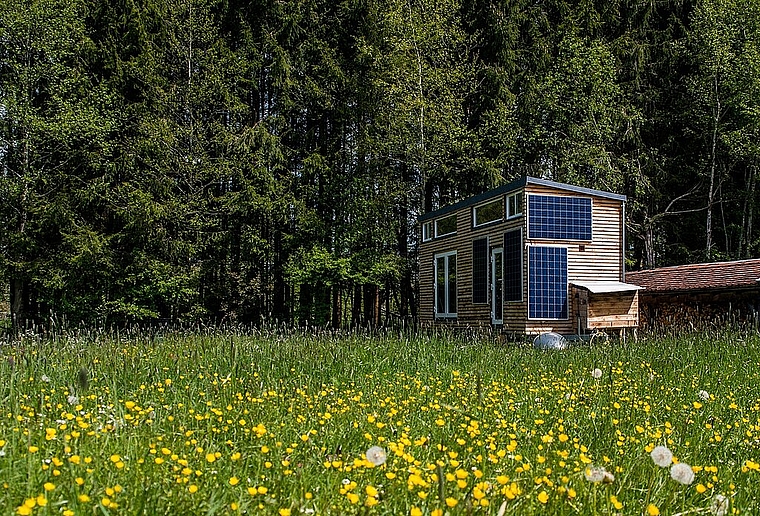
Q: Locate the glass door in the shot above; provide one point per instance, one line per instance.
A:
(497, 285)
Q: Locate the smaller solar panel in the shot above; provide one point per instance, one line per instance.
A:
(559, 218)
(513, 266)
(480, 270)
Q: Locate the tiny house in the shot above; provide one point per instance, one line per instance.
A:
(528, 257)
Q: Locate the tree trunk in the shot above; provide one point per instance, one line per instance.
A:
(711, 191)
(337, 312)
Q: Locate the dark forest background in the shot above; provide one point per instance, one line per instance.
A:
(265, 160)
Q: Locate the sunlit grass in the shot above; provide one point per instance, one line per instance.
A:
(391, 423)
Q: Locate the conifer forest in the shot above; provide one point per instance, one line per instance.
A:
(249, 161)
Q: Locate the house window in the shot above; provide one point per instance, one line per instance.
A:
(547, 282)
(513, 266)
(446, 226)
(427, 231)
(514, 205)
(446, 284)
(480, 270)
(559, 218)
(486, 213)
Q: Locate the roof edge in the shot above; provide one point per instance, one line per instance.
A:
(518, 183)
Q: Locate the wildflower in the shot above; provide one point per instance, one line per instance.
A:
(234, 481)
(719, 505)
(652, 510)
(617, 504)
(543, 497)
(451, 502)
(284, 512)
(704, 395)
(662, 456)
(596, 373)
(682, 473)
(73, 400)
(45, 378)
(48, 486)
(376, 455)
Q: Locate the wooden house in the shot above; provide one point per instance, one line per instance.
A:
(528, 257)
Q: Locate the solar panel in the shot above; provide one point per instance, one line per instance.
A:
(480, 270)
(513, 265)
(559, 218)
(547, 282)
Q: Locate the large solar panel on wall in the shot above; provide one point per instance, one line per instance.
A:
(480, 270)
(547, 282)
(513, 264)
(559, 218)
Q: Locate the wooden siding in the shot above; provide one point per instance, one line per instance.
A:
(606, 310)
(598, 260)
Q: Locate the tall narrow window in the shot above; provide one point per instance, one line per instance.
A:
(513, 266)
(427, 231)
(514, 205)
(480, 270)
(446, 284)
(547, 282)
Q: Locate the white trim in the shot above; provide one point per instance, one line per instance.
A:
(510, 215)
(456, 222)
(427, 236)
(492, 201)
(567, 286)
(447, 301)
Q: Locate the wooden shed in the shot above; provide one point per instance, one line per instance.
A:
(700, 294)
(529, 257)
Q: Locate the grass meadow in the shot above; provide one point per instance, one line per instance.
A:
(384, 423)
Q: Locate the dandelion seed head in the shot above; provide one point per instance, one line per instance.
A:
(719, 505)
(662, 456)
(682, 473)
(596, 373)
(376, 455)
(595, 474)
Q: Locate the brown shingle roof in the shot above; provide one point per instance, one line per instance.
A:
(698, 276)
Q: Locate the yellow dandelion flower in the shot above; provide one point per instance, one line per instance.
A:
(416, 511)
(652, 510)
(234, 481)
(284, 512)
(543, 497)
(615, 502)
(352, 497)
(48, 486)
(451, 502)
(192, 488)
(437, 512)
(234, 506)
(210, 457)
(701, 488)
(83, 498)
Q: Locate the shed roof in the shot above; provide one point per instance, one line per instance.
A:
(514, 186)
(605, 287)
(699, 276)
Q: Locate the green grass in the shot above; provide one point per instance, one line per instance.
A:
(217, 423)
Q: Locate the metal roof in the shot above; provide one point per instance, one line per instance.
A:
(512, 187)
(603, 287)
(698, 276)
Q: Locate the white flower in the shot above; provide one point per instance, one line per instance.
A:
(662, 456)
(73, 400)
(45, 378)
(376, 455)
(719, 505)
(595, 474)
(682, 473)
(704, 395)
(596, 373)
